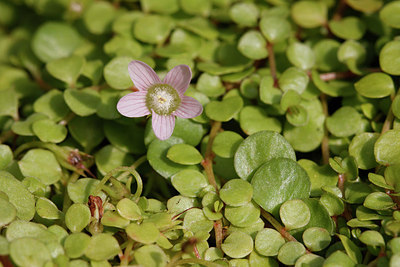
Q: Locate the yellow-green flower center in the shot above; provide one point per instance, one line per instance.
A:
(163, 99)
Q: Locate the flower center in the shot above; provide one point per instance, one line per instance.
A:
(163, 99)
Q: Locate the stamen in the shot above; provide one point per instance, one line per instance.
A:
(163, 99)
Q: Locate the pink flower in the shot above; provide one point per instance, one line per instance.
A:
(162, 99)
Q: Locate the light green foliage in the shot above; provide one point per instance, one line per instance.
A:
(294, 160)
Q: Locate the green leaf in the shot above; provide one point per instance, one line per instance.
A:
(48, 131)
(46, 209)
(99, 16)
(128, 138)
(258, 149)
(82, 102)
(352, 250)
(279, 180)
(254, 119)
(102, 247)
(294, 79)
(362, 149)
(348, 28)
(153, 29)
(378, 201)
(145, 233)
(244, 215)
(66, 69)
(162, 7)
(6, 156)
(346, 121)
(294, 214)
(77, 217)
(316, 238)
(268, 242)
(41, 164)
(226, 143)
(150, 255)
(109, 158)
(372, 238)
(184, 154)
(224, 110)
(387, 148)
(309, 14)
(189, 183)
(9, 103)
(301, 56)
(244, 14)
(237, 245)
(116, 73)
(396, 106)
(275, 28)
(29, 252)
(388, 14)
(253, 45)
(210, 85)
(365, 6)
(290, 252)
(54, 40)
(80, 190)
(52, 104)
(389, 58)
(75, 244)
(375, 85)
(88, 131)
(7, 213)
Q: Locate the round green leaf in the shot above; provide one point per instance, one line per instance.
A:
(395, 107)
(310, 260)
(294, 79)
(224, 110)
(102, 247)
(54, 40)
(375, 85)
(389, 58)
(389, 14)
(128, 138)
(279, 180)
(236, 192)
(29, 252)
(52, 104)
(244, 14)
(129, 209)
(237, 245)
(309, 14)
(254, 119)
(195, 221)
(184, 154)
(253, 45)
(48, 131)
(7, 212)
(268, 242)
(346, 121)
(150, 255)
(378, 201)
(316, 238)
(88, 131)
(372, 238)
(275, 28)
(258, 149)
(46, 209)
(66, 69)
(387, 148)
(82, 102)
(297, 115)
(301, 55)
(6, 156)
(41, 164)
(189, 183)
(163, 7)
(156, 154)
(145, 233)
(256, 259)
(362, 149)
(80, 190)
(226, 143)
(153, 29)
(365, 6)
(77, 217)
(326, 55)
(294, 214)
(210, 85)
(75, 244)
(109, 158)
(348, 28)
(242, 216)
(99, 16)
(196, 7)
(290, 252)
(116, 73)
(18, 196)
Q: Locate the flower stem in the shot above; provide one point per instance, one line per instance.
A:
(387, 125)
(336, 75)
(325, 139)
(277, 226)
(209, 155)
(218, 233)
(272, 63)
(128, 250)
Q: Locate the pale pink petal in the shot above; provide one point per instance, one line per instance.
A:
(189, 108)
(163, 126)
(133, 105)
(179, 78)
(142, 75)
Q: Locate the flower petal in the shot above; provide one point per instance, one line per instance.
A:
(163, 126)
(189, 108)
(133, 105)
(142, 75)
(179, 78)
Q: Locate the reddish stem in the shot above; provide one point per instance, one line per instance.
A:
(325, 139)
(209, 155)
(272, 63)
(339, 10)
(218, 233)
(336, 75)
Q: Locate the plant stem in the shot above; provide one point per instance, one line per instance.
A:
(277, 226)
(128, 250)
(336, 75)
(218, 233)
(325, 139)
(272, 63)
(387, 125)
(6, 135)
(209, 155)
(193, 260)
(339, 10)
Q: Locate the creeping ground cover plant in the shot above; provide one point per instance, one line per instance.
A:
(162, 133)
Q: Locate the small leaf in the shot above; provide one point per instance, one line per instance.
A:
(375, 85)
(184, 154)
(66, 69)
